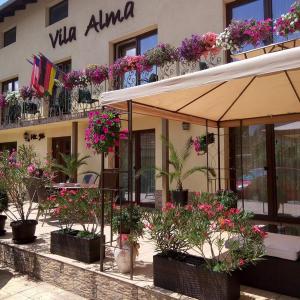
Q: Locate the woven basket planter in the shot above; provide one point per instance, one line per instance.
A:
(69, 245)
(273, 274)
(188, 275)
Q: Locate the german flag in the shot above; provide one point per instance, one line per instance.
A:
(47, 75)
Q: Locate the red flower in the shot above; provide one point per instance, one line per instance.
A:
(168, 207)
(241, 262)
(259, 231)
(189, 207)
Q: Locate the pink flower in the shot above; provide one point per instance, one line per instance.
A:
(259, 231)
(105, 130)
(189, 207)
(241, 262)
(168, 207)
(31, 169)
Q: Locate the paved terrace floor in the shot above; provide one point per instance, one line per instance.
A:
(142, 272)
(14, 286)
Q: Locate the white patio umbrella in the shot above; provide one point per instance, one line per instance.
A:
(257, 89)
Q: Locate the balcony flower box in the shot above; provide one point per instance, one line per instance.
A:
(189, 275)
(83, 249)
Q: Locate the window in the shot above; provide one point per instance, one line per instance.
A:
(60, 101)
(9, 37)
(259, 9)
(265, 160)
(58, 12)
(136, 46)
(10, 85)
(65, 66)
(8, 146)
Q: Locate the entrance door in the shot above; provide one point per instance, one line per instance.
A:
(61, 145)
(143, 166)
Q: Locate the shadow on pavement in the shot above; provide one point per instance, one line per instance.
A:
(5, 277)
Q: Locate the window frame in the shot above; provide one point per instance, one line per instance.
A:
(5, 44)
(132, 41)
(136, 40)
(6, 82)
(50, 11)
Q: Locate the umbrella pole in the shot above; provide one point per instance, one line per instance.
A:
(219, 159)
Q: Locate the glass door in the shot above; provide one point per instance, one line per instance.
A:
(250, 169)
(143, 167)
(287, 158)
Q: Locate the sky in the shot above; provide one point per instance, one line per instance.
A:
(2, 1)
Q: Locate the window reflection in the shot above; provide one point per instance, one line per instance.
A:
(287, 157)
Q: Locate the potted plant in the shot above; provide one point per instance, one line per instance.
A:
(128, 224)
(3, 207)
(76, 207)
(224, 239)
(179, 174)
(70, 165)
(15, 169)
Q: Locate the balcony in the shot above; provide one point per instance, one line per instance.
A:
(75, 104)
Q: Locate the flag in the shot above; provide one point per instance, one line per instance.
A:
(51, 81)
(36, 75)
(49, 67)
(43, 76)
(42, 72)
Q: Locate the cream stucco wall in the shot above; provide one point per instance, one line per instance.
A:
(174, 20)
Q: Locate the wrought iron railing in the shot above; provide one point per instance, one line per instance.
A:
(78, 102)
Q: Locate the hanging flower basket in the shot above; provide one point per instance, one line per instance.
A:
(75, 79)
(126, 64)
(201, 142)
(290, 22)
(161, 55)
(242, 33)
(192, 49)
(96, 74)
(104, 131)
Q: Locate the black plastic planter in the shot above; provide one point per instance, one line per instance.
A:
(23, 231)
(2, 225)
(70, 245)
(180, 197)
(188, 275)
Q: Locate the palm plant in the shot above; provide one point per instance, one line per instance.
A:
(178, 160)
(70, 165)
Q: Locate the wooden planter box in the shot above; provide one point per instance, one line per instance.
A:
(190, 276)
(69, 245)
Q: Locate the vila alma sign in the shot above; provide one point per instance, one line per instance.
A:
(102, 21)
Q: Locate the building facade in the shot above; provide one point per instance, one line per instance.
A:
(74, 34)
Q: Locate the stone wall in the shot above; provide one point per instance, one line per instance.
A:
(86, 283)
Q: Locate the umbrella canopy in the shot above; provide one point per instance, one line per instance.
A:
(260, 87)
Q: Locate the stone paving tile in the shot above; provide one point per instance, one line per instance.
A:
(14, 286)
